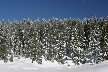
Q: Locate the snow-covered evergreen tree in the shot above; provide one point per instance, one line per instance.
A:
(55, 39)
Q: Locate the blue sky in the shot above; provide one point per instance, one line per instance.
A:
(19, 9)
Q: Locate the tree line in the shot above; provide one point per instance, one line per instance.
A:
(54, 39)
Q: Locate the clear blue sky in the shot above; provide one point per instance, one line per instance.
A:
(19, 9)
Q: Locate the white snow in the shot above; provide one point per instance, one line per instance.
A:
(25, 65)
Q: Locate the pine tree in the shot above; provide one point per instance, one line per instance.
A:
(94, 47)
(3, 44)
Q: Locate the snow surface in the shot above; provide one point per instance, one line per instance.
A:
(25, 65)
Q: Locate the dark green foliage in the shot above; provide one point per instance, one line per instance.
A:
(55, 39)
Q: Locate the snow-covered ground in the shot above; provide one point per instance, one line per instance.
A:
(25, 65)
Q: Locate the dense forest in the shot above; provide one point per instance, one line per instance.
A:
(55, 39)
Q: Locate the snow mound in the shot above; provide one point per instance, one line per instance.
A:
(25, 65)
